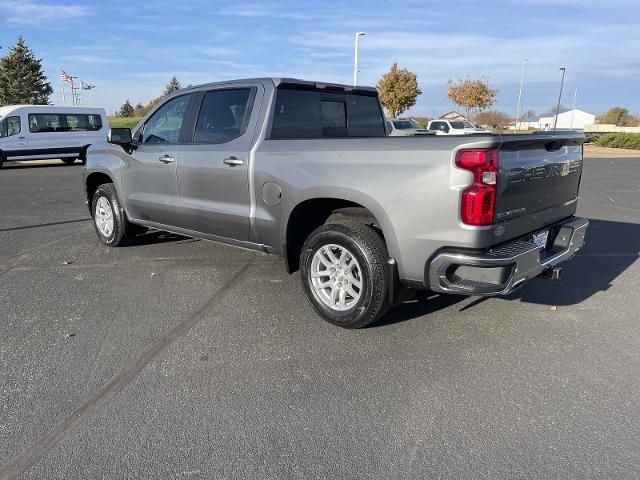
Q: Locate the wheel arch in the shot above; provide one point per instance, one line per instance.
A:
(314, 211)
(93, 181)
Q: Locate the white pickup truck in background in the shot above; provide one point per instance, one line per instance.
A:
(455, 127)
(405, 127)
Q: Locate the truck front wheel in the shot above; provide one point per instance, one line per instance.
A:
(343, 274)
(109, 219)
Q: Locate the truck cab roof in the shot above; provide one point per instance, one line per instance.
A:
(278, 81)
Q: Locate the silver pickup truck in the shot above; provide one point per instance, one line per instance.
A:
(305, 170)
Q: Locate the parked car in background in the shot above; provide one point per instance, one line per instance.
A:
(455, 127)
(38, 132)
(305, 170)
(405, 127)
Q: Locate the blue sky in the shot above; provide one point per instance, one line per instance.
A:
(131, 48)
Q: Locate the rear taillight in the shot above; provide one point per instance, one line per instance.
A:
(478, 201)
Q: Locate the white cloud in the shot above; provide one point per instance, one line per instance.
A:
(217, 52)
(29, 12)
(98, 59)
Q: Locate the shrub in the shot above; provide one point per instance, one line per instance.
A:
(619, 140)
(123, 122)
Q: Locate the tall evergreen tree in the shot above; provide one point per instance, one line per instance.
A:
(172, 86)
(126, 110)
(22, 80)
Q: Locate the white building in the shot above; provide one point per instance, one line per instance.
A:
(575, 119)
(453, 116)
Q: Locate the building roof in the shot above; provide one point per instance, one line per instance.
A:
(536, 118)
(453, 115)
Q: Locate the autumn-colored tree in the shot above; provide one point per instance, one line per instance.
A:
(398, 90)
(618, 116)
(471, 94)
(492, 118)
(137, 110)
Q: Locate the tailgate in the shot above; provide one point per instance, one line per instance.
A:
(539, 175)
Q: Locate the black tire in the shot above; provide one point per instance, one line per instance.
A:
(119, 235)
(2, 158)
(368, 248)
(69, 161)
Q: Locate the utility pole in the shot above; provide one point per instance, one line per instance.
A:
(355, 59)
(555, 122)
(573, 110)
(519, 113)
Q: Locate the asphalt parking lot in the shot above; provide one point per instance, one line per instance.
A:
(177, 358)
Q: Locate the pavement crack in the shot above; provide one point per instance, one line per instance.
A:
(22, 462)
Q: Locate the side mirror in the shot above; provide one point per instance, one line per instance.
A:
(120, 136)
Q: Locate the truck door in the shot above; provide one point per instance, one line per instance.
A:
(149, 173)
(213, 170)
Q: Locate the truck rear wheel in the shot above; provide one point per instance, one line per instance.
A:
(343, 274)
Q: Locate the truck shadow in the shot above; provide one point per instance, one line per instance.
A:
(159, 236)
(424, 303)
(610, 248)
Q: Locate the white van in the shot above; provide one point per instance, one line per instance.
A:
(38, 132)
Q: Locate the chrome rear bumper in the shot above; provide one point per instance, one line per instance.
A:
(502, 269)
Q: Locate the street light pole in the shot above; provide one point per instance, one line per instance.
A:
(355, 59)
(555, 122)
(518, 113)
(573, 110)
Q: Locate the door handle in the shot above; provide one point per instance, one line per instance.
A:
(21, 138)
(233, 161)
(167, 159)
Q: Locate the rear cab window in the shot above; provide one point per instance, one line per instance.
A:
(306, 112)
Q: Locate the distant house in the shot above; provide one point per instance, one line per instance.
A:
(454, 116)
(575, 119)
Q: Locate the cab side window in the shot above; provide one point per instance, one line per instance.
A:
(442, 126)
(10, 126)
(223, 115)
(165, 124)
